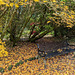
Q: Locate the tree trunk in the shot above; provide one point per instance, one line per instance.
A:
(55, 33)
(40, 36)
(4, 12)
(31, 31)
(13, 34)
(6, 27)
(25, 24)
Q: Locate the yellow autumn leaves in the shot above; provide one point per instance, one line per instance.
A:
(7, 3)
(68, 16)
(1, 2)
(2, 49)
(45, 0)
(48, 22)
(59, 50)
(16, 5)
(21, 2)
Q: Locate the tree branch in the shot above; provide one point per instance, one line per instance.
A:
(10, 21)
(3, 12)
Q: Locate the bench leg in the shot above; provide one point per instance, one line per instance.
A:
(44, 63)
(44, 60)
(39, 60)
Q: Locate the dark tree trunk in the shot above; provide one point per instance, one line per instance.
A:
(13, 34)
(55, 33)
(40, 36)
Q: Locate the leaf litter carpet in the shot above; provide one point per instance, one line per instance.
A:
(59, 65)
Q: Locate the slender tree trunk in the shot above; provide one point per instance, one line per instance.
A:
(3, 12)
(31, 31)
(9, 24)
(25, 25)
(55, 33)
(40, 36)
(37, 33)
(42, 22)
(13, 34)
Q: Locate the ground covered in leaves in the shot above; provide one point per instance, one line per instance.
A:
(59, 65)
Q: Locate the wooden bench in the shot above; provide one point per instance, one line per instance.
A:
(46, 55)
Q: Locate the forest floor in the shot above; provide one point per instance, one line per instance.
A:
(59, 65)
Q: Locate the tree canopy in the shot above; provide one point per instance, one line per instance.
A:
(44, 16)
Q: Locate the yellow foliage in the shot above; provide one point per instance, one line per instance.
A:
(66, 7)
(11, 4)
(21, 3)
(36, 0)
(66, 15)
(48, 21)
(45, 1)
(25, 0)
(69, 26)
(2, 49)
(53, 0)
(7, 5)
(1, 2)
(59, 50)
(72, 16)
(16, 5)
